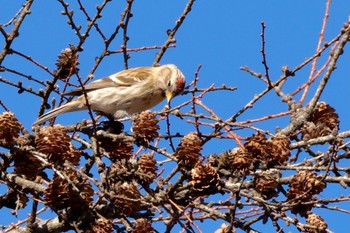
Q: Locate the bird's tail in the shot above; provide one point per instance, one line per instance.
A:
(68, 107)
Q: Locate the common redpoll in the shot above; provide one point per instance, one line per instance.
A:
(126, 92)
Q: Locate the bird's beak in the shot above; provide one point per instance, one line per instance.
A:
(169, 96)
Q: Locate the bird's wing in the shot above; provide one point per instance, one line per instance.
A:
(123, 78)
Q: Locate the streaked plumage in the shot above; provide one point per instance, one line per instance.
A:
(128, 91)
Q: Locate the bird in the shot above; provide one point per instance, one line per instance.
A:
(126, 92)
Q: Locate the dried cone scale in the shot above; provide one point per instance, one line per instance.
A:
(120, 170)
(305, 183)
(25, 163)
(14, 199)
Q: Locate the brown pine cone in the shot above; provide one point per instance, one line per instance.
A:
(54, 142)
(117, 150)
(26, 164)
(147, 167)
(126, 198)
(205, 179)
(271, 152)
(266, 184)
(188, 150)
(280, 150)
(101, 225)
(258, 147)
(61, 192)
(67, 64)
(318, 222)
(120, 170)
(302, 187)
(238, 160)
(305, 183)
(9, 129)
(142, 225)
(326, 115)
(14, 199)
(146, 126)
(323, 121)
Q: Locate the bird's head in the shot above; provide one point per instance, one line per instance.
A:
(173, 81)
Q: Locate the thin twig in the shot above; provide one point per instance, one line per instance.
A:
(263, 52)
(171, 33)
(319, 44)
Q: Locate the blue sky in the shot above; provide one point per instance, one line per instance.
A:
(222, 36)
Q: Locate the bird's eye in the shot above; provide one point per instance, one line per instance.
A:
(169, 84)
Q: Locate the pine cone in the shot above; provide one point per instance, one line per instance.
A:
(271, 152)
(67, 63)
(225, 228)
(188, 150)
(257, 146)
(121, 170)
(101, 225)
(147, 167)
(302, 187)
(323, 121)
(266, 183)
(310, 131)
(305, 183)
(237, 160)
(205, 179)
(73, 155)
(280, 150)
(25, 140)
(146, 126)
(61, 193)
(26, 164)
(9, 129)
(14, 199)
(126, 198)
(142, 225)
(55, 143)
(316, 221)
(326, 115)
(117, 150)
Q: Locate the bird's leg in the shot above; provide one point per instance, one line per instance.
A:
(112, 126)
